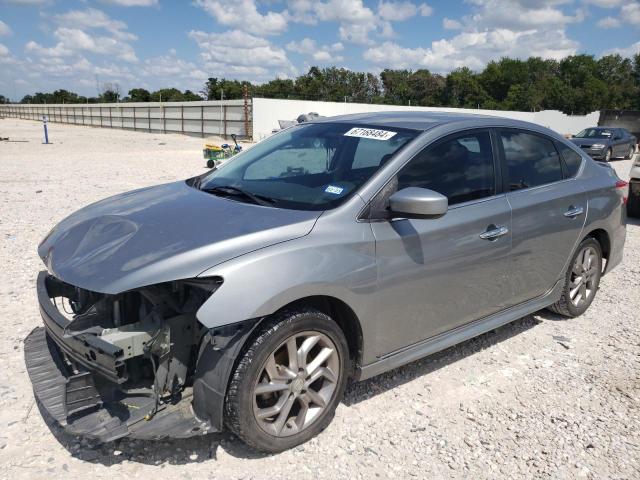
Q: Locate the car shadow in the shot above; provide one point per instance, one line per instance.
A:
(209, 447)
(361, 391)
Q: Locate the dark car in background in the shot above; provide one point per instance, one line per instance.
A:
(605, 143)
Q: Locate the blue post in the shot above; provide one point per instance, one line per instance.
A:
(46, 133)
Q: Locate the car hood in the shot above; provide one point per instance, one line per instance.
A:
(589, 141)
(162, 233)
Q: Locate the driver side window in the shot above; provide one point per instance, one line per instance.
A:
(460, 167)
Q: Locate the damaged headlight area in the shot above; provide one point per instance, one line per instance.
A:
(104, 365)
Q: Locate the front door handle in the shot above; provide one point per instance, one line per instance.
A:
(573, 212)
(494, 232)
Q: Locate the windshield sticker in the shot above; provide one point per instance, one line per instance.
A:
(333, 189)
(370, 133)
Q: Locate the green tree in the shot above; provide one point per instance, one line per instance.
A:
(464, 90)
(139, 95)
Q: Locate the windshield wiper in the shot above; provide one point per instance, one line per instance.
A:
(235, 191)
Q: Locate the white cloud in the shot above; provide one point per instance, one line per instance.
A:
(493, 29)
(521, 15)
(630, 13)
(4, 29)
(244, 14)
(450, 24)
(627, 52)
(402, 10)
(349, 11)
(608, 22)
(4, 51)
(92, 18)
(170, 70)
(605, 3)
(324, 56)
(27, 2)
(132, 3)
(239, 53)
(320, 54)
(304, 46)
(301, 11)
(89, 30)
(472, 49)
(73, 40)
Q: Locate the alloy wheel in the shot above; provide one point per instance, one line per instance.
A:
(584, 276)
(296, 383)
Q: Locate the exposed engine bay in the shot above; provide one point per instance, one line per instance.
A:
(126, 357)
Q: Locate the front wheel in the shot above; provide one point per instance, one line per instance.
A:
(607, 156)
(288, 382)
(581, 280)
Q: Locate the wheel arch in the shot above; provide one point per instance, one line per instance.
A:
(603, 238)
(342, 314)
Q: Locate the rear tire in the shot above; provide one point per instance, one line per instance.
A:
(581, 280)
(272, 403)
(633, 202)
(632, 150)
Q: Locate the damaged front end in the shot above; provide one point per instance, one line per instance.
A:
(109, 366)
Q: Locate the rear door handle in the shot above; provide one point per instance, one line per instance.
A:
(494, 232)
(573, 212)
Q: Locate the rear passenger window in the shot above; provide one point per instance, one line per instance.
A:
(531, 160)
(571, 159)
(460, 168)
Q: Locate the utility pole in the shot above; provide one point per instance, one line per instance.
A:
(220, 125)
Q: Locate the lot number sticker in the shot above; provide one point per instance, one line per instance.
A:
(333, 189)
(370, 133)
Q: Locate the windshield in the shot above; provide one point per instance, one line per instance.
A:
(315, 166)
(595, 133)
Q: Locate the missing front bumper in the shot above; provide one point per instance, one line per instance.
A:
(87, 405)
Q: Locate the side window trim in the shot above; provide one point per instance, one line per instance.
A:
(565, 167)
(368, 213)
(503, 158)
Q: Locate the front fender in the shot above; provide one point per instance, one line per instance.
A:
(259, 284)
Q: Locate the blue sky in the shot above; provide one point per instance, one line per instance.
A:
(78, 44)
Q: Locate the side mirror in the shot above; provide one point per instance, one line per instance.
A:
(414, 202)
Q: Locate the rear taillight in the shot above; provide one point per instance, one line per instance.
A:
(624, 185)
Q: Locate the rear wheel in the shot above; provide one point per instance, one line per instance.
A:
(289, 381)
(581, 280)
(633, 201)
(632, 150)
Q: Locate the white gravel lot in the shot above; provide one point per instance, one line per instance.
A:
(542, 397)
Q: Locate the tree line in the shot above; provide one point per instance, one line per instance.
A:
(577, 84)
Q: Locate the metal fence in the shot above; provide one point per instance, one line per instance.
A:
(192, 118)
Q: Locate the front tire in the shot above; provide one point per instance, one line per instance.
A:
(581, 280)
(289, 381)
(607, 156)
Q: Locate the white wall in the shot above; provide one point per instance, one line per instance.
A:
(267, 112)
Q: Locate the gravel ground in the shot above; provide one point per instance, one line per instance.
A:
(542, 397)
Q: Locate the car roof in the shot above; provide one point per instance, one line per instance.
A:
(416, 120)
